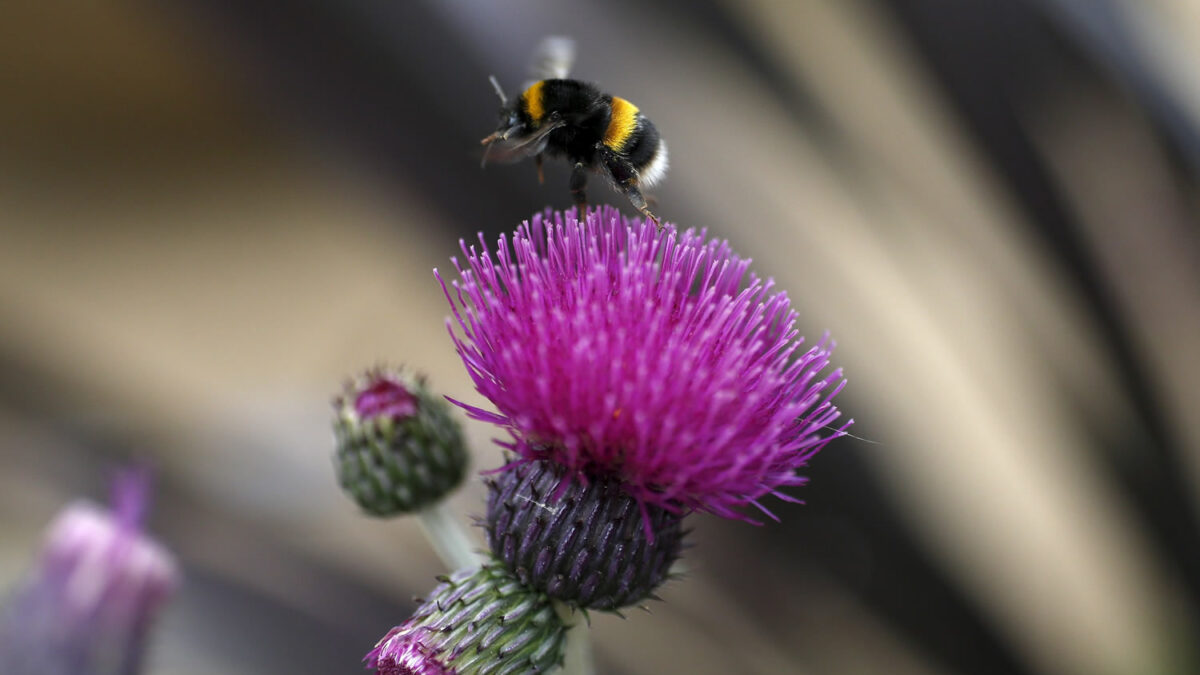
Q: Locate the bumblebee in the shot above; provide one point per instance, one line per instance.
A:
(595, 131)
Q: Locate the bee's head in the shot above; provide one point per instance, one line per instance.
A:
(508, 126)
(509, 134)
(516, 136)
(507, 119)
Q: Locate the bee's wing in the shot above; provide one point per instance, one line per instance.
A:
(553, 58)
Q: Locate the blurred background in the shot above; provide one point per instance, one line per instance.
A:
(212, 212)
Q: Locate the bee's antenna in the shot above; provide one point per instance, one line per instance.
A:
(499, 91)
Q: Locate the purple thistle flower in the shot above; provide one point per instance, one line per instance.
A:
(655, 358)
(98, 584)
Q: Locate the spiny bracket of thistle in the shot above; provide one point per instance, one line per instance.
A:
(584, 542)
(476, 622)
(399, 449)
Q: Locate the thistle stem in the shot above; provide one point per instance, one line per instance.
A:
(578, 657)
(448, 537)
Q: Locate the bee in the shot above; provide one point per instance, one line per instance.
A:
(595, 131)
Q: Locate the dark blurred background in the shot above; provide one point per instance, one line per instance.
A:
(212, 212)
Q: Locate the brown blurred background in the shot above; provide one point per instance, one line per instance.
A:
(212, 212)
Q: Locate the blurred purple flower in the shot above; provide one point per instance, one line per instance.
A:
(87, 607)
(656, 358)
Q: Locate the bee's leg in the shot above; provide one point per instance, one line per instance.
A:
(541, 176)
(579, 188)
(625, 179)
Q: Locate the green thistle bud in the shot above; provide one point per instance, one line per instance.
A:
(477, 622)
(589, 545)
(398, 447)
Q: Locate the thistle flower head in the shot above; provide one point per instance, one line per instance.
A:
(398, 447)
(476, 622)
(97, 586)
(657, 359)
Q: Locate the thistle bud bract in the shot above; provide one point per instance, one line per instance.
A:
(585, 543)
(398, 447)
(477, 622)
